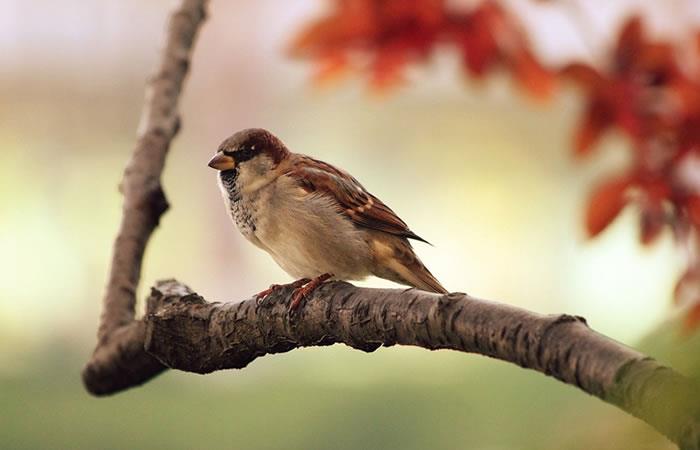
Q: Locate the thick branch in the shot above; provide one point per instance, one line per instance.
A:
(144, 200)
(185, 332)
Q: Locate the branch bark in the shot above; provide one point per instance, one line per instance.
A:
(182, 331)
(144, 202)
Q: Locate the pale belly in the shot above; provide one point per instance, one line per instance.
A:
(303, 233)
(309, 238)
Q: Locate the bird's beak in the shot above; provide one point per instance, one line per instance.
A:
(222, 162)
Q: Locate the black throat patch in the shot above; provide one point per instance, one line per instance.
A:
(241, 210)
(228, 180)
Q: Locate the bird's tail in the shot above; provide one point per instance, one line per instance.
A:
(420, 277)
(403, 266)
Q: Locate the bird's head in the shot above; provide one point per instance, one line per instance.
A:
(252, 153)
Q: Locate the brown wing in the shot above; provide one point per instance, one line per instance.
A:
(360, 206)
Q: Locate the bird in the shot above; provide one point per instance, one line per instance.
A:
(316, 221)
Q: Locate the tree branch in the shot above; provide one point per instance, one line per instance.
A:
(144, 200)
(184, 332)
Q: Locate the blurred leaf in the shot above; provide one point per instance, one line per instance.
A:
(691, 319)
(582, 74)
(534, 78)
(692, 205)
(605, 204)
(331, 68)
(652, 220)
(628, 44)
(596, 120)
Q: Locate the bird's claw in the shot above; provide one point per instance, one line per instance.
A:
(301, 292)
(261, 296)
(297, 297)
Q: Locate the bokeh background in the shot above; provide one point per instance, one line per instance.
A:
(479, 170)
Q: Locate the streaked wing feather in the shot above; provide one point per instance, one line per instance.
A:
(363, 208)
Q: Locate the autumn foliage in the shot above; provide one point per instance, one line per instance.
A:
(382, 37)
(644, 91)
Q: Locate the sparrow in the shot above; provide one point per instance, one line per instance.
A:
(315, 220)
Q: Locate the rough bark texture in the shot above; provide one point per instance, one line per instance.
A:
(144, 204)
(185, 332)
(182, 331)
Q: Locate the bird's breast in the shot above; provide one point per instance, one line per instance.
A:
(306, 236)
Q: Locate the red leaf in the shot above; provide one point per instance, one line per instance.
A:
(692, 319)
(330, 68)
(595, 121)
(387, 69)
(605, 204)
(425, 12)
(351, 21)
(536, 80)
(656, 58)
(687, 287)
(631, 34)
(628, 44)
(624, 95)
(652, 221)
(478, 44)
(586, 76)
(582, 74)
(692, 206)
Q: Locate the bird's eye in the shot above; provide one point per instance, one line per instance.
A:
(244, 154)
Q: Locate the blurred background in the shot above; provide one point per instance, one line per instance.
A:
(478, 169)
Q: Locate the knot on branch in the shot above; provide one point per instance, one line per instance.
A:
(169, 291)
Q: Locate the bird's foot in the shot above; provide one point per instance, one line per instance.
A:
(301, 292)
(261, 296)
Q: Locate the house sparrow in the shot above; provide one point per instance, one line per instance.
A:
(315, 220)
